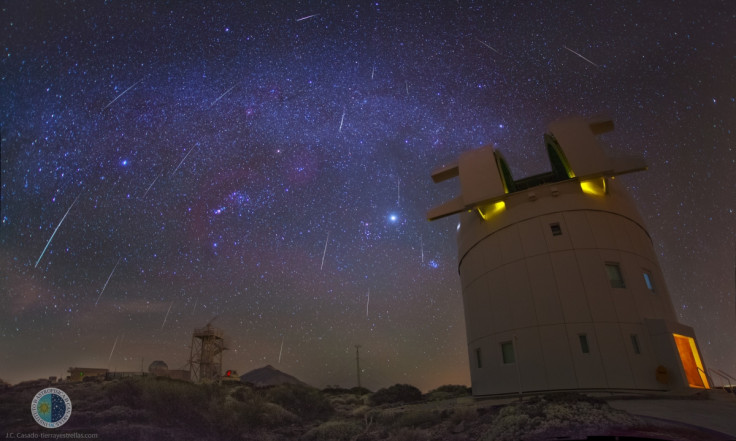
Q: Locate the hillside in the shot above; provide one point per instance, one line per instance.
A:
(164, 409)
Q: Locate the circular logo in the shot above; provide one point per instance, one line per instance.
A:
(51, 408)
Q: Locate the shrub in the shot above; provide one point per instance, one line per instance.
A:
(571, 397)
(276, 416)
(359, 391)
(398, 393)
(447, 391)
(406, 434)
(335, 390)
(417, 418)
(305, 401)
(559, 417)
(464, 414)
(360, 411)
(334, 430)
(126, 391)
(198, 409)
(176, 402)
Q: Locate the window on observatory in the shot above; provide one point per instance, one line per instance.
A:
(584, 344)
(614, 275)
(478, 358)
(507, 350)
(556, 230)
(648, 281)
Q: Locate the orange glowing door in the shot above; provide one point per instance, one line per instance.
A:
(691, 362)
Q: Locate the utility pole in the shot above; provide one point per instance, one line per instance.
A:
(357, 361)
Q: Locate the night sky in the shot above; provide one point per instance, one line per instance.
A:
(165, 164)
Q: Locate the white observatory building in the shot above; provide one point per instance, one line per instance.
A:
(560, 282)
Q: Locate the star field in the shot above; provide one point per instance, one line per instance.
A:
(267, 165)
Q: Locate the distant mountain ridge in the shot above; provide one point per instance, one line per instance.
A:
(269, 376)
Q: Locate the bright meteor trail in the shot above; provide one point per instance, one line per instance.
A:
(108, 280)
(220, 97)
(167, 315)
(55, 230)
(581, 56)
(124, 92)
(324, 253)
(183, 159)
(113, 349)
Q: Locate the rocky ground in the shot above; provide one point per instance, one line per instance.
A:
(163, 409)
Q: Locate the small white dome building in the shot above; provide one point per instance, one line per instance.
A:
(560, 282)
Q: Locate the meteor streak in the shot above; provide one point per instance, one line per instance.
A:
(184, 159)
(307, 17)
(282, 348)
(113, 349)
(167, 315)
(488, 46)
(325, 251)
(581, 56)
(108, 280)
(367, 302)
(149, 187)
(124, 92)
(341, 120)
(220, 97)
(55, 230)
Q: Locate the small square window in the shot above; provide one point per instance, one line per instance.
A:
(614, 275)
(648, 280)
(555, 228)
(635, 343)
(507, 350)
(584, 343)
(478, 358)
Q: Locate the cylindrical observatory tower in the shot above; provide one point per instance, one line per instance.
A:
(560, 282)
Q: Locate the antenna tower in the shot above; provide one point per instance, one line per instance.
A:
(205, 359)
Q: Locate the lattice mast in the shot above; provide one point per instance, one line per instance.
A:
(205, 358)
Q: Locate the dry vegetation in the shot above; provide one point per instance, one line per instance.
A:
(163, 409)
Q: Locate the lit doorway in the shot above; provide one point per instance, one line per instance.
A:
(691, 362)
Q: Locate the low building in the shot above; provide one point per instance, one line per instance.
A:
(86, 374)
(179, 374)
(160, 369)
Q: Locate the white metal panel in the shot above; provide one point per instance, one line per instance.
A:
(570, 287)
(613, 354)
(510, 242)
(532, 237)
(543, 286)
(560, 369)
(579, 229)
(597, 286)
(588, 367)
(523, 313)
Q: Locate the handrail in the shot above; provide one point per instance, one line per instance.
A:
(724, 373)
(708, 377)
(726, 376)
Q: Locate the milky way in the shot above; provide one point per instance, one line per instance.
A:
(267, 166)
